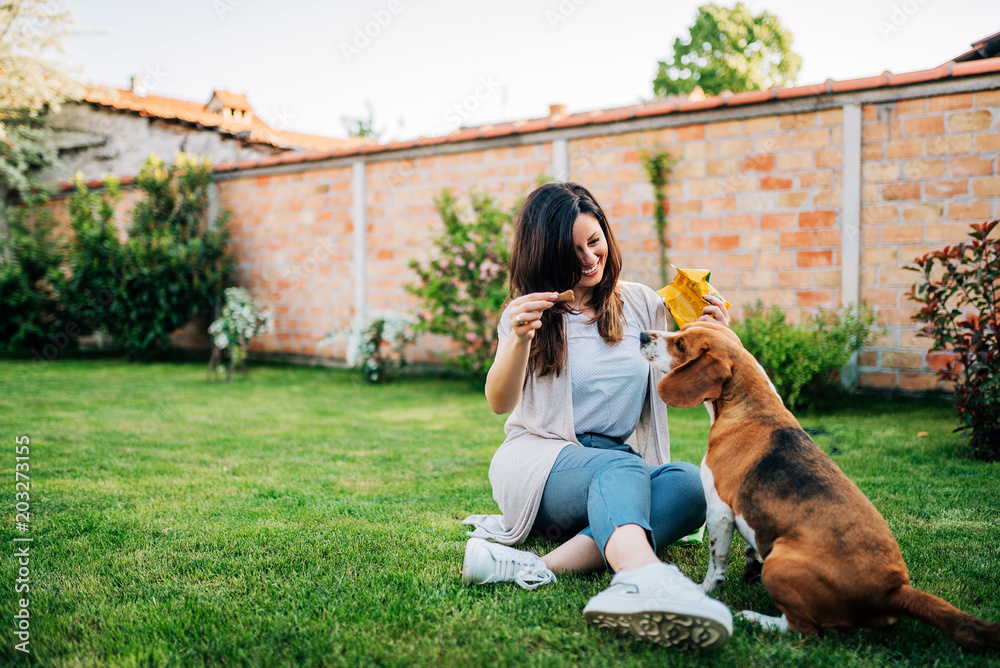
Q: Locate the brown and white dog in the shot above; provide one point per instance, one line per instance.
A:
(829, 558)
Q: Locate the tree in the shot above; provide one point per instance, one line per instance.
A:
(729, 49)
(32, 82)
(363, 127)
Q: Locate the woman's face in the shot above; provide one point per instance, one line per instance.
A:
(592, 249)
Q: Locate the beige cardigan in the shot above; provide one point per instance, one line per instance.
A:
(542, 425)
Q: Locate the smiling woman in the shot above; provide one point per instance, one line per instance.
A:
(563, 240)
(580, 392)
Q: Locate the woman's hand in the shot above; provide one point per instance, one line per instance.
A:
(526, 312)
(505, 379)
(715, 311)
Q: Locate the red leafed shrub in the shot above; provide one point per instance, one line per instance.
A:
(959, 289)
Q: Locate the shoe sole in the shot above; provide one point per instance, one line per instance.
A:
(664, 628)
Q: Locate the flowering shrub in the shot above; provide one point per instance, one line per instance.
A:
(379, 347)
(242, 319)
(959, 290)
(465, 286)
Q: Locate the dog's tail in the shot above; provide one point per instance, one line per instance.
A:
(960, 626)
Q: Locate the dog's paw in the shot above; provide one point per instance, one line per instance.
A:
(766, 622)
(708, 586)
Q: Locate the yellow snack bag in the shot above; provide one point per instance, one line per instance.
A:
(686, 294)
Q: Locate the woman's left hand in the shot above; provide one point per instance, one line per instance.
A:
(715, 311)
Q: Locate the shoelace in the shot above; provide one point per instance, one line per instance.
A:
(676, 583)
(524, 569)
(531, 578)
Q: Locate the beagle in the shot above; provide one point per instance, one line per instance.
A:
(829, 558)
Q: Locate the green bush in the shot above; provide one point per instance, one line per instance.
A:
(173, 266)
(94, 254)
(805, 362)
(959, 289)
(464, 288)
(33, 287)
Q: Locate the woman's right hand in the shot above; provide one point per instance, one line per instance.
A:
(526, 312)
(505, 379)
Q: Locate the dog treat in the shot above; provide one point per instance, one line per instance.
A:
(564, 297)
(685, 296)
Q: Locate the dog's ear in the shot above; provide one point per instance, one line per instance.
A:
(694, 382)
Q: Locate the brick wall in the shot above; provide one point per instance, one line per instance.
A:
(403, 221)
(757, 199)
(292, 237)
(402, 218)
(929, 170)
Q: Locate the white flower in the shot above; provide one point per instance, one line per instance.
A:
(242, 319)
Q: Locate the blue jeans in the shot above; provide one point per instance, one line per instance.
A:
(595, 489)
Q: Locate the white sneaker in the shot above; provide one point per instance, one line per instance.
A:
(489, 563)
(660, 604)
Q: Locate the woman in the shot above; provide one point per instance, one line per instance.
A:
(578, 388)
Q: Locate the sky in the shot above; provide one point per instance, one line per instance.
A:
(427, 67)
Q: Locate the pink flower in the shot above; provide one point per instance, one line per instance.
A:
(488, 270)
(471, 337)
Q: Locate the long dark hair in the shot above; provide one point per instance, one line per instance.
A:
(543, 258)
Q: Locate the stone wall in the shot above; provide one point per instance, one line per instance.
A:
(121, 143)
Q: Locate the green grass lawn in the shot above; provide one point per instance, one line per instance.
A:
(303, 518)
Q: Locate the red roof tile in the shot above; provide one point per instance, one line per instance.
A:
(464, 134)
(614, 115)
(696, 105)
(400, 145)
(535, 125)
(255, 132)
(656, 108)
(801, 91)
(644, 110)
(749, 97)
(575, 120)
(919, 76)
(975, 67)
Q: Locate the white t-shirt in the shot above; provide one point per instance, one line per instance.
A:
(609, 381)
